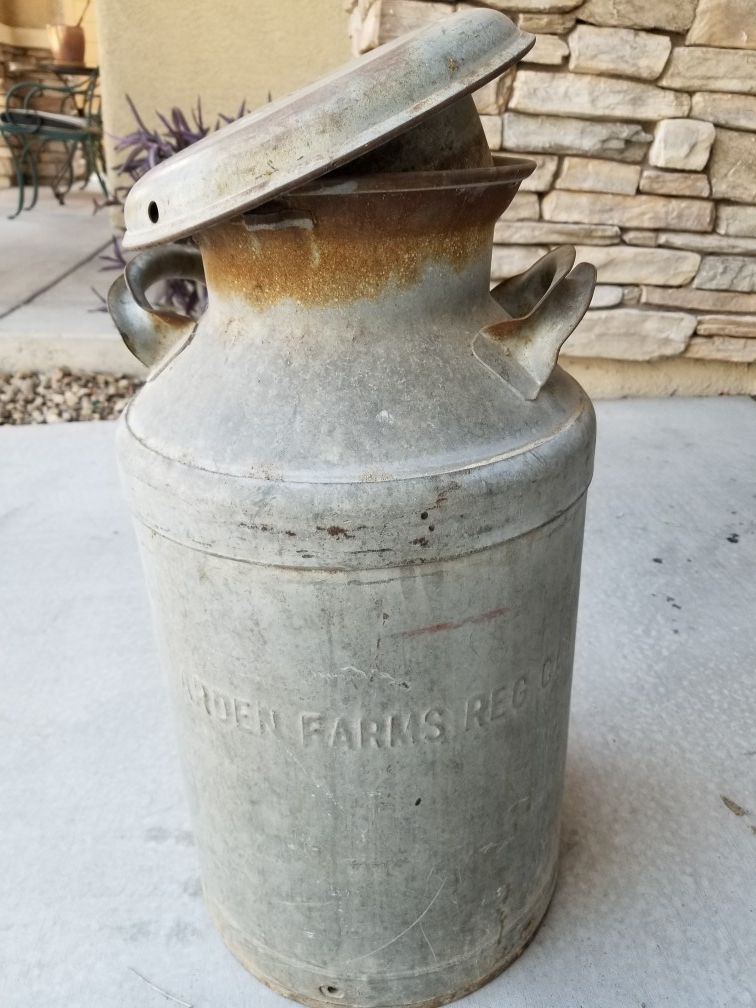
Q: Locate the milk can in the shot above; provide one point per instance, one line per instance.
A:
(359, 484)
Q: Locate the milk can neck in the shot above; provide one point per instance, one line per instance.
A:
(336, 249)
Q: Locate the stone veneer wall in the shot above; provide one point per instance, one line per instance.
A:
(641, 115)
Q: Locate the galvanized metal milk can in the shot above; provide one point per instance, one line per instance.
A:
(359, 487)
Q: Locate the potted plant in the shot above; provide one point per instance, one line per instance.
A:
(66, 41)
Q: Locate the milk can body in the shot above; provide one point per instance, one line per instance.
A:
(362, 547)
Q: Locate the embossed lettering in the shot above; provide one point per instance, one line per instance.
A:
(476, 710)
(372, 733)
(499, 700)
(243, 715)
(229, 710)
(434, 721)
(267, 720)
(221, 706)
(311, 725)
(367, 729)
(204, 694)
(341, 734)
(403, 734)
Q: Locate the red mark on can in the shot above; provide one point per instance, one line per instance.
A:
(438, 627)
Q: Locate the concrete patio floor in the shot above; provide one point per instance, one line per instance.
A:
(100, 900)
(49, 265)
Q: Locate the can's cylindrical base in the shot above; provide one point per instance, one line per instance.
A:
(427, 989)
(371, 681)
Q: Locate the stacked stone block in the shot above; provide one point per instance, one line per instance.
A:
(641, 117)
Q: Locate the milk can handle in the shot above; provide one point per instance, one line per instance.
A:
(150, 333)
(542, 307)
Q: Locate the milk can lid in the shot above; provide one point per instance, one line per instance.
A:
(335, 120)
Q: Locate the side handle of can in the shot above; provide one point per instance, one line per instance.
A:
(543, 306)
(151, 333)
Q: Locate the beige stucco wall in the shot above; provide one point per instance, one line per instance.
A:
(25, 13)
(169, 53)
(39, 13)
(23, 23)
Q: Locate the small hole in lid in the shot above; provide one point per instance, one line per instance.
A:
(331, 990)
(152, 212)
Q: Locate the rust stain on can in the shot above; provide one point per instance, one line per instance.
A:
(341, 246)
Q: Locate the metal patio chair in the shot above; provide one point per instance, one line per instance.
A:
(76, 124)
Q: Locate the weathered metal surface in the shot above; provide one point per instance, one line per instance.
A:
(363, 549)
(545, 304)
(359, 486)
(362, 105)
(150, 333)
(278, 253)
(348, 239)
(451, 139)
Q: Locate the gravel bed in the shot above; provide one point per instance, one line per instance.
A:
(63, 395)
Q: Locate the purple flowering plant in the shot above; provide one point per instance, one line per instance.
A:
(142, 149)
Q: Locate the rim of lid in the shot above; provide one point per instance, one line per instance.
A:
(314, 130)
(505, 170)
